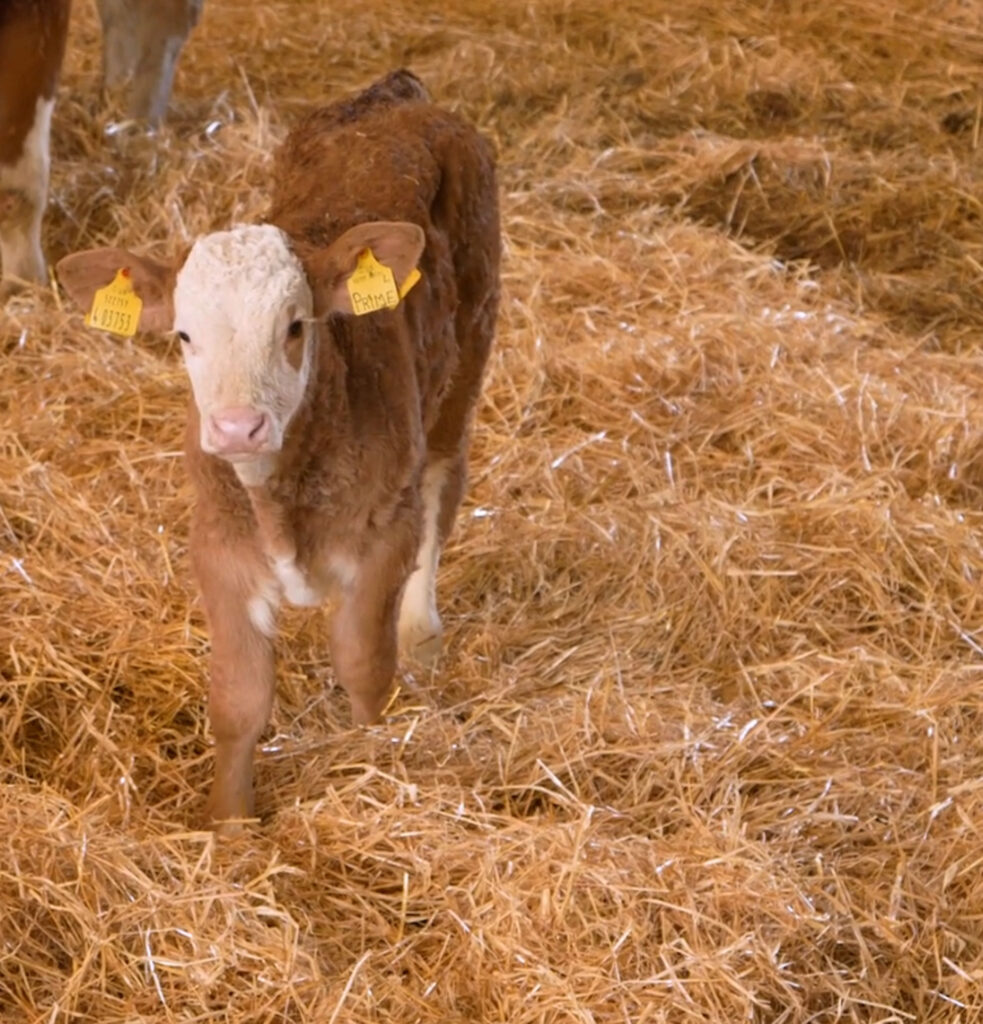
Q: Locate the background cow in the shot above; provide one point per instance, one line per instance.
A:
(142, 40)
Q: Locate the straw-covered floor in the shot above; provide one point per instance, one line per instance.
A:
(707, 740)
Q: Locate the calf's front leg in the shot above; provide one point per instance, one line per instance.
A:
(240, 608)
(240, 697)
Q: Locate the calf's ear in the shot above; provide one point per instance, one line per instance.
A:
(83, 273)
(395, 244)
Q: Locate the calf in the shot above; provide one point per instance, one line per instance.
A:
(326, 442)
(142, 39)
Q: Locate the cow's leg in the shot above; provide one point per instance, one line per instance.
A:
(23, 197)
(363, 626)
(240, 697)
(141, 45)
(420, 628)
(32, 43)
(240, 603)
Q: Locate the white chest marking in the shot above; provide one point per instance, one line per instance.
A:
(296, 588)
(343, 569)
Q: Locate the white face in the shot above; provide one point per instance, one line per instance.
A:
(243, 310)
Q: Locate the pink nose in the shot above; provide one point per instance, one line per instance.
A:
(238, 430)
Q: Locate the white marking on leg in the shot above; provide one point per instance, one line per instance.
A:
(343, 569)
(296, 587)
(263, 606)
(419, 622)
(20, 235)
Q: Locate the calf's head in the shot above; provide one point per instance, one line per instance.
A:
(243, 310)
(246, 308)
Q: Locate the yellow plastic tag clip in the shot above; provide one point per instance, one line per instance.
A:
(116, 308)
(411, 280)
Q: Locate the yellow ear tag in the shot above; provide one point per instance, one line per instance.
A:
(372, 286)
(414, 276)
(116, 308)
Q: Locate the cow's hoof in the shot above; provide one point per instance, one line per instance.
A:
(421, 642)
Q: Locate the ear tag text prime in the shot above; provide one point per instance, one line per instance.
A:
(372, 286)
(116, 308)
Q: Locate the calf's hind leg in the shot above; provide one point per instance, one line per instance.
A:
(445, 474)
(420, 628)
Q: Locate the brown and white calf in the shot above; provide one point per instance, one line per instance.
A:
(141, 42)
(328, 449)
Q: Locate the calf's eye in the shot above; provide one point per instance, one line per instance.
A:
(296, 329)
(183, 336)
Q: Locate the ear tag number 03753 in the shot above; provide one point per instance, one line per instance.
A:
(372, 285)
(116, 308)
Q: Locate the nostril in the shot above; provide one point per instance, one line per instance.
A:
(259, 430)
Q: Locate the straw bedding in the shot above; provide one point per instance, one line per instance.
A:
(707, 740)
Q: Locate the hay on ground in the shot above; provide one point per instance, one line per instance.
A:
(707, 740)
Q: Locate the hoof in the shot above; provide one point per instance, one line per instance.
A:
(230, 828)
(229, 816)
(422, 642)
